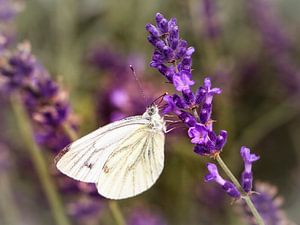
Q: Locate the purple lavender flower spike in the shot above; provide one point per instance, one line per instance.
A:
(173, 58)
(172, 55)
(247, 176)
(227, 186)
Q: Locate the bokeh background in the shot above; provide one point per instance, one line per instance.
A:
(249, 48)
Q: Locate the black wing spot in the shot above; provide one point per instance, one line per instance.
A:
(88, 165)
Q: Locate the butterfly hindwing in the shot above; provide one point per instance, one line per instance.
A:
(134, 166)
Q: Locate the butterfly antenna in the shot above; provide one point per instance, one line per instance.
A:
(138, 83)
(160, 98)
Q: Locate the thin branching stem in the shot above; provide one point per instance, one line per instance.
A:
(246, 197)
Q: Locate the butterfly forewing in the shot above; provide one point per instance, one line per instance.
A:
(134, 166)
(83, 160)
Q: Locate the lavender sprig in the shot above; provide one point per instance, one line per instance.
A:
(172, 58)
(47, 109)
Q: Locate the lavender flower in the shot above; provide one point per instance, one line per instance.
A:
(268, 205)
(214, 175)
(247, 175)
(45, 102)
(172, 58)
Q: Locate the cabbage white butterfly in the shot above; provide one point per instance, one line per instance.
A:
(123, 158)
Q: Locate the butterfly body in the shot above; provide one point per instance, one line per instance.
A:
(123, 158)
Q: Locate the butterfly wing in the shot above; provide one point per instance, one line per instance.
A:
(84, 159)
(134, 166)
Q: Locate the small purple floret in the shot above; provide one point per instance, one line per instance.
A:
(247, 176)
(214, 175)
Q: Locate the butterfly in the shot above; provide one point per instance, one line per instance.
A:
(123, 158)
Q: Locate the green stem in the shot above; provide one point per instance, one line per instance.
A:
(8, 208)
(247, 199)
(116, 212)
(39, 163)
(113, 205)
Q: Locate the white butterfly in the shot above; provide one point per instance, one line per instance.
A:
(123, 158)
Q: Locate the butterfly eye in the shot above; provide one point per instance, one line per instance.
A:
(151, 111)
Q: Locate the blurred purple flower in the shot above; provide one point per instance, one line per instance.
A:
(45, 102)
(214, 175)
(85, 209)
(107, 59)
(119, 99)
(275, 41)
(211, 25)
(247, 175)
(8, 10)
(141, 216)
(211, 197)
(268, 205)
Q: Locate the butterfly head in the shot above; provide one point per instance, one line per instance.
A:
(156, 121)
(152, 110)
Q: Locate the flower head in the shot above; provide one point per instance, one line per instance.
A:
(172, 56)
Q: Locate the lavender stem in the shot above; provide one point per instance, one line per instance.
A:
(247, 199)
(116, 211)
(113, 205)
(39, 163)
(8, 208)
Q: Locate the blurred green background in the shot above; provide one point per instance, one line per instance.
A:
(259, 106)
